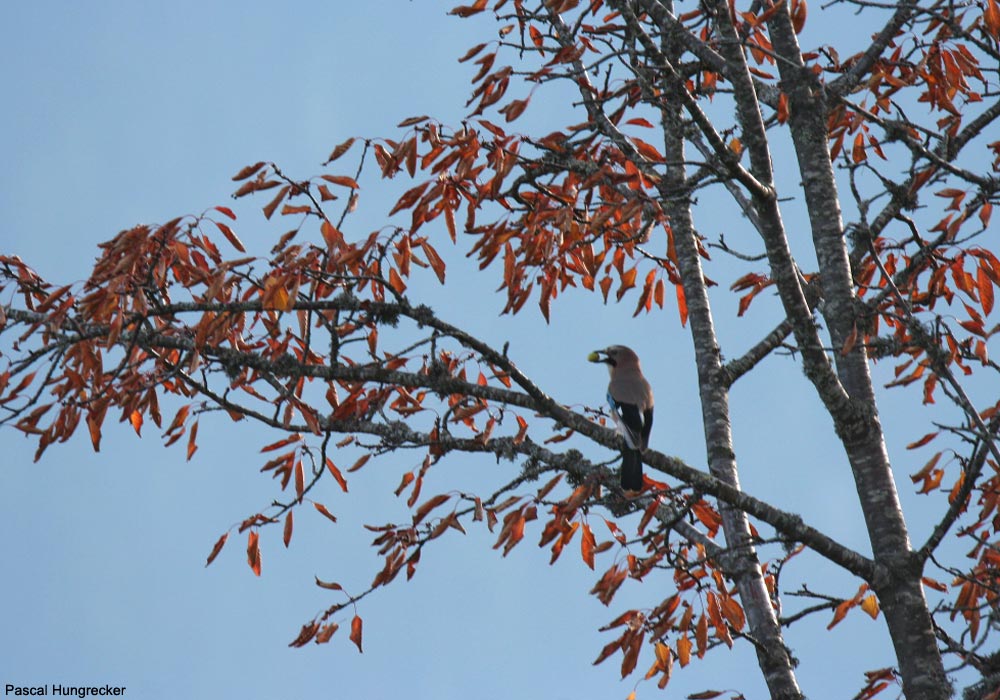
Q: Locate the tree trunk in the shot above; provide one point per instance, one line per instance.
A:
(743, 565)
(897, 582)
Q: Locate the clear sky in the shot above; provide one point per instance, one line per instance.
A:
(117, 113)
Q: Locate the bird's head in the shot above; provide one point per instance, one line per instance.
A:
(615, 356)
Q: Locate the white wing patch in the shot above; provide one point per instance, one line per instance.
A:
(632, 439)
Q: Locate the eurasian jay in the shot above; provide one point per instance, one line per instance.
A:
(631, 400)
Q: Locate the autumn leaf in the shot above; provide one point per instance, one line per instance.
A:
(287, 533)
(217, 548)
(991, 18)
(230, 236)
(428, 506)
(332, 468)
(341, 180)
(248, 171)
(135, 418)
(587, 544)
(985, 285)
(435, 261)
(340, 150)
(870, 605)
(306, 634)
(326, 513)
(326, 632)
(356, 631)
(684, 651)
(799, 11)
(849, 342)
(192, 445)
(253, 552)
(467, 10)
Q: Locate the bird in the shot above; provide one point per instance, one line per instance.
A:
(631, 401)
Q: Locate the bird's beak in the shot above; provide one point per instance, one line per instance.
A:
(596, 356)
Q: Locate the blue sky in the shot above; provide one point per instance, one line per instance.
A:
(116, 115)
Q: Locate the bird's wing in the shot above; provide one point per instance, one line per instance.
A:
(647, 426)
(629, 421)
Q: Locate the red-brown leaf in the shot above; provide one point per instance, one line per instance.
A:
(435, 261)
(356, 631)
(322, 509)
(428, 506)
(248, 171)
(217, 548)
(341, 481)
(991, 18)
(467, 10)
(587, 544)
(253, 552)
(230, 236)
(287, 533)
(985, 285)
(340, 150)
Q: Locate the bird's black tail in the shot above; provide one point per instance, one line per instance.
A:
(631, 476)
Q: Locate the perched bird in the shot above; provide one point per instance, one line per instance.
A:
(631, 400)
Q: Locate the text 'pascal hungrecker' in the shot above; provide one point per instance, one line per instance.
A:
(57, 690)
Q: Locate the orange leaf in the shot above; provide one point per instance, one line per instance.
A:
(858, 152)
(870, 606)
(248, 171)
(341, 481)
(342, 180)
(536, 36)
(307, 633)
(404, 482)
(136, 419)
(325, 632)
(253, 552)
(217, 548)
(799, 12)
(985, 285)
(322, 509)
(230, 236)
(682, 308)
(395, 281)
(783, 113)
(850, 342)
(684, 651)
(329, 586)
(991, 18)
(923, 441)
(296, 437)
(192, 445)
(467, 10)
(94, 426)
(360, 463)
(435, 261)
(428, 506)
(340, 150)
(273, 204)
(840, 613)
(986, 211)
(515, 109)
(287, 534)
(300, 480)
(701, 635)
(472, 52)
(587, 544)
(356, 631)
(647, 151)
